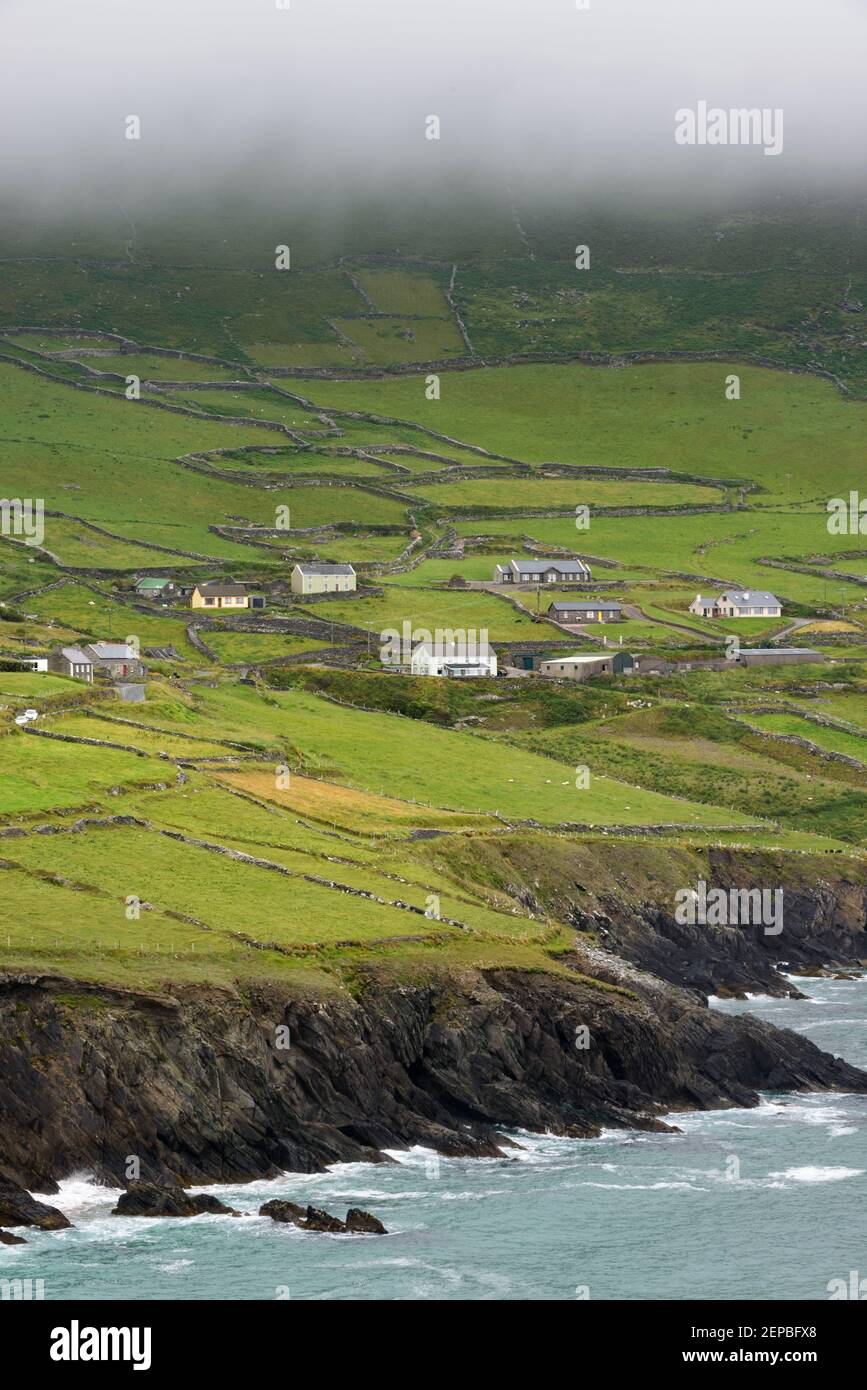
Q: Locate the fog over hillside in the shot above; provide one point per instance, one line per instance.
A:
(327, 99)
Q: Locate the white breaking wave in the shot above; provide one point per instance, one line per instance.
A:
(817, 1174)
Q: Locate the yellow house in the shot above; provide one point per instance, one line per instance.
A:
(215, 594)
(322, 579)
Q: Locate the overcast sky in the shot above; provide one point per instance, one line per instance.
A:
(338, 91)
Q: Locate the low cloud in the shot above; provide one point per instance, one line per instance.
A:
(329, 98)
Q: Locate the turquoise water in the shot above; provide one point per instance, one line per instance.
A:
(625, 1216)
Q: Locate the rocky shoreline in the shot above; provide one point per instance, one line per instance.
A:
(217, 1085)
(195, 1088)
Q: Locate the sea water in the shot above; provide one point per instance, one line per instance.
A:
(766, 1203)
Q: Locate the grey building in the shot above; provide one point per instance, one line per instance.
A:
(155, 587)
(777, 656)
(586, 664)
(72, 662)
(118, 660)
(594, 611)
(543, 571)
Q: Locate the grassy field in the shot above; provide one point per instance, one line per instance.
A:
(431, 609)
(715, 761)
(155, 367)
(382, 341)
(402, 292)
(42, 775)
(833, 740)
(584, 415)
(17, 686)
(235, 647)
(560, 494)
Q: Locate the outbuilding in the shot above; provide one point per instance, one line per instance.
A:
(586, 664)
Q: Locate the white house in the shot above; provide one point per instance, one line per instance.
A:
(737, 603)
(33, 663)
(454, 659)
(322, 579)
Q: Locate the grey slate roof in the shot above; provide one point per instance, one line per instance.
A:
(76, 656)
(750, 596)
(214, 589)
(586, 607)
(112, 651)
(325, 569)
(568, 565)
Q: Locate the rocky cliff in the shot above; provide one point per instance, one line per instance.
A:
(208, 1085)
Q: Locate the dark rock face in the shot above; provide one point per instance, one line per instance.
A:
(362, 1223)
(6, 1238)
(149, 1199)
(18, 1208)
(196, 1088)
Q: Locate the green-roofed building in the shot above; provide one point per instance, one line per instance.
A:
(154, 587)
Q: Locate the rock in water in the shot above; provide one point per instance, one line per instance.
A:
(308, 1219)
(362, 1223)
(149, 1199)
(18, 1208)
(318, 1220)
(289, 1213)
(7, 1239)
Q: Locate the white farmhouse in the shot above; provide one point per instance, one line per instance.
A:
(737, 603)
(457, 660)
(315, 578)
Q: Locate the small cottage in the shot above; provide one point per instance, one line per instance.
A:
(117, 660)
(155, 587)
(72, 662)
(215, 593)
